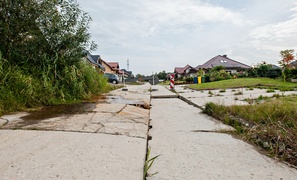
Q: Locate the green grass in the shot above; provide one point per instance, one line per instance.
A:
(20, 89)
(248, 83)
(272, 124)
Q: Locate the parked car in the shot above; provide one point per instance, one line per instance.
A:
(112, 78)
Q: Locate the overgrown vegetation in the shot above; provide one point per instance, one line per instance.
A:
(247, 83)
(41, 47)
(271, 125)
(218, 73)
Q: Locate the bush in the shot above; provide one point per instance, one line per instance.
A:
(252, 72)
(20, 90)
(266, 70)
(294, 73)
(189, 80)
(219, 75)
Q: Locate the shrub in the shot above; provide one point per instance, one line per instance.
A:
(20, 90)
(189, 80)
(219, 75)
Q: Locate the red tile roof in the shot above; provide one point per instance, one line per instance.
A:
(114, 65)
(182, 70)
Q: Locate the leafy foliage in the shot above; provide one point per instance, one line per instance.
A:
(42, 45)
(266, 70)
(162, 75)
(287, 57)
(218, 73)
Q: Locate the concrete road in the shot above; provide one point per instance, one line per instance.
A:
(229, 97)
(192, 145)
(107, 140)
(69, 155)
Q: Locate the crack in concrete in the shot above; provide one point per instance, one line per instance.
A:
(7, 121)
(212, 131)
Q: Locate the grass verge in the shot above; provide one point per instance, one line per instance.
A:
(271, 125)
(20, 89)
(266, 83)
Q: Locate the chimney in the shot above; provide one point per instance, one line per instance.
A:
(225, 56)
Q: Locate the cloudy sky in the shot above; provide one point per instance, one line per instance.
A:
(158, 35)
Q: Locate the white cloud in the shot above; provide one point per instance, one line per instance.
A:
(276, 33)
(161, 34)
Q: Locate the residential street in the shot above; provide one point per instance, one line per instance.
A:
(108, 140)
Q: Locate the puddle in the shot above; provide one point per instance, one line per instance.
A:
(59, 110)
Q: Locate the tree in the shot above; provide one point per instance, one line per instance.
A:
(287, 58)
(162, 75)
(39, 33)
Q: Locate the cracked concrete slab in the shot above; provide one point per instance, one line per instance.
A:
(228, 97)
(190, 149)
(68, 155)
(106, 141)
(109, 108)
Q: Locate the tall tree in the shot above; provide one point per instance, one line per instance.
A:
(41, 32)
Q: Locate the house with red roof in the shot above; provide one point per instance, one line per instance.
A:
(114, 66)
(187, 71)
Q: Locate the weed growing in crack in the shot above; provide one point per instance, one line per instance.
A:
(238, 93)
(148, 164)
(270, 90)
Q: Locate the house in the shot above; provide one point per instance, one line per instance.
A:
(230, 65)
(128, 73)
(93, 59)
(114, 66)
(108, 68)
(187, 71)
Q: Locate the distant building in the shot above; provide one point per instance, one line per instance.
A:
(230, 65)
(187, 71)
(128, 73)
(94, 60)
(114, 66)
(108, 68)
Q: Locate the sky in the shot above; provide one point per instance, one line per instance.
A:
(157, 35)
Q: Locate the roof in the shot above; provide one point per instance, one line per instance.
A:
(127, 72)
(95, 57)
(182, 70)
(114, 65)
(91, 60)
(123, 72)
(273, 66)
(223, 61)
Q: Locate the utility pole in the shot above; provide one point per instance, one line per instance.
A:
(128, 64)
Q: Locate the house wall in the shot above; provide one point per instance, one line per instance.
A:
(232, 71)
(107, 68)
